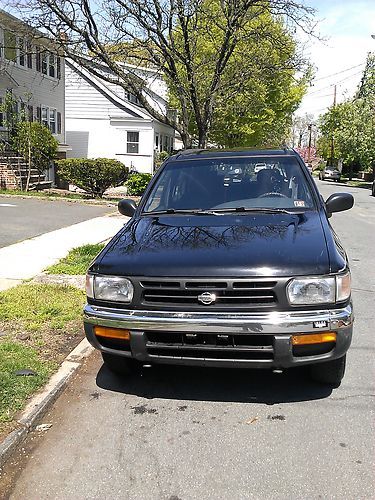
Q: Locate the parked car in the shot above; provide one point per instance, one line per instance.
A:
(225, 270)
(373, 188)
(330, 173)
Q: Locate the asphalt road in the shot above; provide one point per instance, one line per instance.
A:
(217, 434)
(22, 218)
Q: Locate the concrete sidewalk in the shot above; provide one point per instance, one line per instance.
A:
(28, 258)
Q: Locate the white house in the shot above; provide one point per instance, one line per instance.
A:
(31, 72)
(102, 120)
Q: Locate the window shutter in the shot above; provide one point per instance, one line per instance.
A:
(39, 114)
(58, 67)
(38, 62)
(58, 122)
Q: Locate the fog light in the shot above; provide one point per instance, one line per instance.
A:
(112, 333)
(315, 338)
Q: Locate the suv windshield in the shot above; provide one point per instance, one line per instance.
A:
(230, 183)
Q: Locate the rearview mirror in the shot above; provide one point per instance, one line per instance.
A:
(338, 202)
(127, 207)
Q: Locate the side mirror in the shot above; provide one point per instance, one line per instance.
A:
(127, 207)
(338, 202)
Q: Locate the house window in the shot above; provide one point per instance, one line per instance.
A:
(21, 52)
(45, 63)
(38, 59)
(132, 145)
(10, 46)
(52, 120)
(52, 66)
(132, 98)
(156, 141)
(45, 116)
(29, 55)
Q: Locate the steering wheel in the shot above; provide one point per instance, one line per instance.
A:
(273, 193)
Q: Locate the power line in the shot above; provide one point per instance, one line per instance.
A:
(331, 85)
(339, 72)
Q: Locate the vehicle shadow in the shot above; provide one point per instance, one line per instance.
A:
(215, 384)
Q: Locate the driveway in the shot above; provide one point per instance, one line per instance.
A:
(185, 433)
(25, 218)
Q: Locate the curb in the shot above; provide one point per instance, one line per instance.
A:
(42, 401)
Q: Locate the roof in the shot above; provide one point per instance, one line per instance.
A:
(195, 154)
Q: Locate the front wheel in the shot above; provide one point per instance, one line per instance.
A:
(119, 364)
(330, 372)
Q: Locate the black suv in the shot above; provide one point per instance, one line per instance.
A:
(229, 260)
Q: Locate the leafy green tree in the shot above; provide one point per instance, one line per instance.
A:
(188, 42)
(351, 125)
(36, 144)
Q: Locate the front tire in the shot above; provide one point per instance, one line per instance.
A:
(330, 372)
(119, 364)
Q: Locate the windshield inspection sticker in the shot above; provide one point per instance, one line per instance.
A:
(299, 203)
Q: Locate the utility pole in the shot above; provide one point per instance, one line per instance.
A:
(332, 138)
(309, 128)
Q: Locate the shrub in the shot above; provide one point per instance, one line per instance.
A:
(137, 183)
(160, 158)
(94, 176)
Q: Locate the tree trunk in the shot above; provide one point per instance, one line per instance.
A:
(28, 162)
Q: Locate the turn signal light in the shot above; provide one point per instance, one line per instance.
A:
(112, 333)
(315, 338)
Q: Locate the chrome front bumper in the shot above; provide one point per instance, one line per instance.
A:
(281, 325)
(205, 322)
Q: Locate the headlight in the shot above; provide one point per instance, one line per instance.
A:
(109, 288)
(310, 291)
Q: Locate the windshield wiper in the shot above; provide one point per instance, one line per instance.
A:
(257, 210)
(192, 211)
(216, 211)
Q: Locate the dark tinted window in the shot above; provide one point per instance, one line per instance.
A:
(272, 182)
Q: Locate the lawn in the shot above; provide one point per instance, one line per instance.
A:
(77, 261)
(39, 326)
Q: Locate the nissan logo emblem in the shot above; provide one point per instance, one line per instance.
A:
(207, 298)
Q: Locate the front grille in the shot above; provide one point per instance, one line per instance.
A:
(228, 294)
(209, 346)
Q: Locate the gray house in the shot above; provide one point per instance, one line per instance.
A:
(34, 74)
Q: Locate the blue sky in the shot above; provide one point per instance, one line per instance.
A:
(346, 26)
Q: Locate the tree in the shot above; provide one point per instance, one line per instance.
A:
(36, 144)
(163, 34)
(352, 125)
(258, 90)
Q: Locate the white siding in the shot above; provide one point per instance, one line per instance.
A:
(97, 127)
(104, 138)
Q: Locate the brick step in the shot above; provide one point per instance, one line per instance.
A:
(40, 185)
(23, 172)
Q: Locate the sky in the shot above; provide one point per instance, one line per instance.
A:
(346, 26)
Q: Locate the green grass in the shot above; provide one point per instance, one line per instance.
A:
(49, 317)
(14, 389)
(35, 306)
(77, 261)
(42, 194)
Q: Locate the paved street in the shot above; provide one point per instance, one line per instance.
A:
(25, 218)
(185, 433)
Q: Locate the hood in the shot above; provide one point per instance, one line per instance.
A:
(218, 245)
